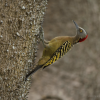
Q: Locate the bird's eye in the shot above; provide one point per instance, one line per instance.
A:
(81, 30)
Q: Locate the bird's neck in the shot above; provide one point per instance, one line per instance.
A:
(75, 39)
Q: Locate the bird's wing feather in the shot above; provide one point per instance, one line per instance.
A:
(58, 53)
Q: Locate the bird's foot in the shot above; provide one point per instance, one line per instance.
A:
(42, 37)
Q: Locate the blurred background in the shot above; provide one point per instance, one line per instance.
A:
(76, 76)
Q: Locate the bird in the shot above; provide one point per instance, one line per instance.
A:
(58, 47)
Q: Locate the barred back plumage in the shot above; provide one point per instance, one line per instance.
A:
(61, 51)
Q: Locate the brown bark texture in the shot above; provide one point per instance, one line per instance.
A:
(20, 23)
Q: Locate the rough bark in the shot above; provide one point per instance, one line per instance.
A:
(20, 21)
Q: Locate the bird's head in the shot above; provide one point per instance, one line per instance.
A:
(81, 33)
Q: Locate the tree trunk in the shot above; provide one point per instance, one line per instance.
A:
(20, 22)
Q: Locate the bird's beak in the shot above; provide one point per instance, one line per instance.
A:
(77, 27)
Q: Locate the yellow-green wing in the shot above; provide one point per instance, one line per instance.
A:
(61, 51)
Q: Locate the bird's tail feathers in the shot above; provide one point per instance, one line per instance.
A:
(33, 71)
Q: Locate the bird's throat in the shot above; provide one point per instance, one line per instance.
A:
(81, 40)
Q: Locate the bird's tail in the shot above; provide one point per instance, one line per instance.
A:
(33, 71)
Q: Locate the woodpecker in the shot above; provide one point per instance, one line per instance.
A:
(58, 47)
